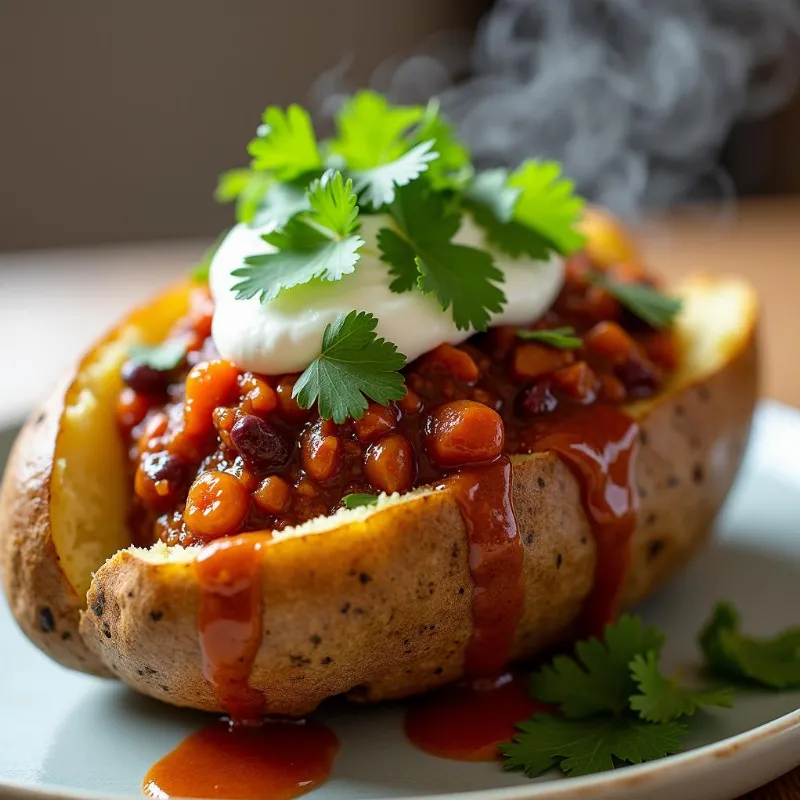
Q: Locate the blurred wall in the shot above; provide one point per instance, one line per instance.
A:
(117, 115)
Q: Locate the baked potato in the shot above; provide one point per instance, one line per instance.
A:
(373, 601)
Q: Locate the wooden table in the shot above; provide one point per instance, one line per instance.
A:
(52, 305)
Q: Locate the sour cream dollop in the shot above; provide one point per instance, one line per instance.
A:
(285, 335)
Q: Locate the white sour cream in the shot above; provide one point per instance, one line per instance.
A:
(285, 335)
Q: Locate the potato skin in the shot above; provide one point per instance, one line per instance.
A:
(382, 608)
(42, 600)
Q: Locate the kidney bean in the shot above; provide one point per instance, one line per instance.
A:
(536, 399)
(273, 495)
(641, 378)
(143, 378)
(261, 446)
(159, 479)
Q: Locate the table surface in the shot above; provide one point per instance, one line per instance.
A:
(53, 304)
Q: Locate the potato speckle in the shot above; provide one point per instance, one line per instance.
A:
(47, 622)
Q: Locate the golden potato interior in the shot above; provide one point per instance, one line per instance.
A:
(89, 491)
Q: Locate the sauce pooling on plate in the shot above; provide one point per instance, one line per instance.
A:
(274, 761)
(467, 721)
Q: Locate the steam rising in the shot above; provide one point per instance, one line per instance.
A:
(635, 97)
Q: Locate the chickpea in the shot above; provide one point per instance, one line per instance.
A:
(532, 360)
(208, 385)
(321, 451)
(377, 421)
(390, 464)
(609, 340)
(258, 397)
(216, 506)
(288, 407)
(451, 360)
(273, 495)
(410, 404)
(464, 432)
(578, 381)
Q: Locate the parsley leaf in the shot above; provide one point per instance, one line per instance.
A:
(419, 250)
(598, 678)
(358, 500)
(285, 144)
(202, 269)
(548, 205)
(561, 338)
(656, 309)
(772, 662)
(371, 130)
(661, 699)
(581, 747)
(319, 244)
(452, 169)
(354, 364)
(377, 186)
(161, 357)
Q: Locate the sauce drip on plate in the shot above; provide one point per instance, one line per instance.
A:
(230, 621)
(466, 722)
(599, 446)
(274, 761)
(483, 495)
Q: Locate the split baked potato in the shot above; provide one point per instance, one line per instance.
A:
(375, 601)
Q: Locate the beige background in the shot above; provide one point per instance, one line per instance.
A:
(117, 115)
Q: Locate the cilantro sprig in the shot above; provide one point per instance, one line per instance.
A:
(354, 364)
(614, 706)
(657, 309)
(420, 253)
(390, 157)
(563, 338)
(319, 244)
(357, 500)
(770, 662)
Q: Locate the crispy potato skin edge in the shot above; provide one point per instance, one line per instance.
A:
(381, 609)
(43, 602)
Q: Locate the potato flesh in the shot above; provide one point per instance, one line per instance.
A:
(89, 491)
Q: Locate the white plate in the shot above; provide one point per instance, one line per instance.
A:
(64, 734)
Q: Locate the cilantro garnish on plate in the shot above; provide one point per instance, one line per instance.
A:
(771, 662)
(662, 699)
(584, 746)
(354, 364)
(614, 706)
